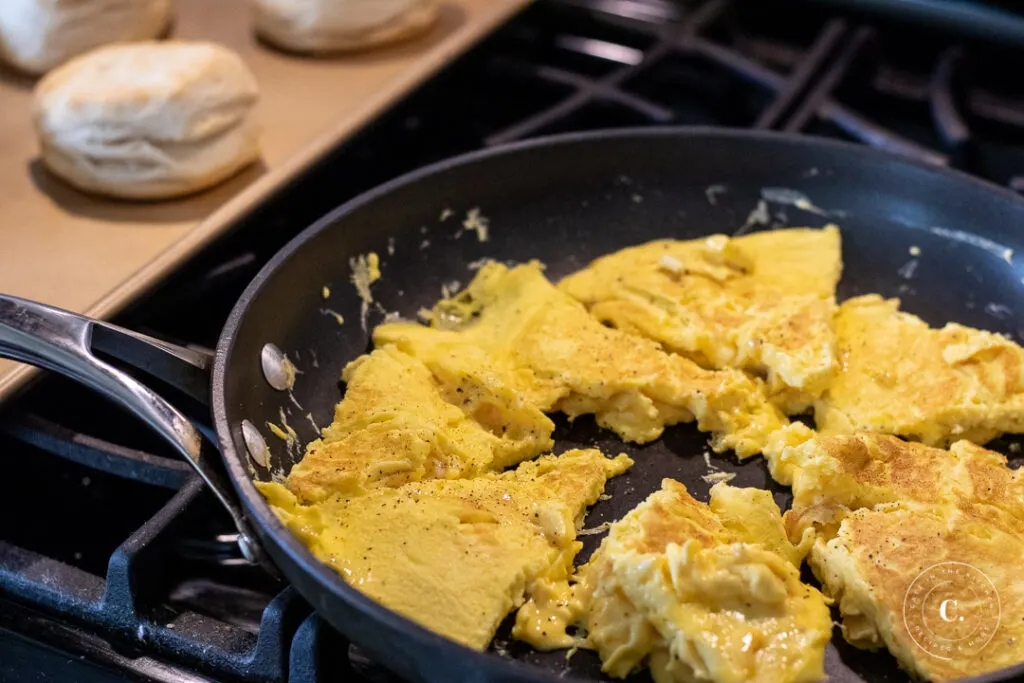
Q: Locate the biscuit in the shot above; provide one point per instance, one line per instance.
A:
(39, 35)
(148, 120)
(315, 26)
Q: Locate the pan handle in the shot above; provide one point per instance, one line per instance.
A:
(65, 342)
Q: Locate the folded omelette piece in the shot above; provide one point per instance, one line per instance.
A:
(695, 592)
(763, 303)
(921, 548)
(899, 376)
(397, 424)
(456, 556)
(564, 359)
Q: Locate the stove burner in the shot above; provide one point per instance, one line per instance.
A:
(143, 579)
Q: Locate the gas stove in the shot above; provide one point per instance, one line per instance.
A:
(116, 565)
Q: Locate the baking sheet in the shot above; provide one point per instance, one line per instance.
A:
(93, 255)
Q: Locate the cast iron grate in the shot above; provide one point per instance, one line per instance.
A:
(115, 553)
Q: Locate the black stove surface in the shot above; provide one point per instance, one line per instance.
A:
(116, 565)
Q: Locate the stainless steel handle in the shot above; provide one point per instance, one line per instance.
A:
(65, 342)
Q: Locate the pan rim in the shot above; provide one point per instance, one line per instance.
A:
(256, 508)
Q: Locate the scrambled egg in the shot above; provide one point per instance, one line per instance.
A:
(898, 376)
(455, 555)
(763, 303)
(397, 424)
(697, 593)
(407, 493)
(921, 547)
(562, 358)
(847, 472)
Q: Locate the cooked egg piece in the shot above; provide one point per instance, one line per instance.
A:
(938, 586)
(901, 528)
(456, 556)
(834, 475)
(753, 516)
(899, 376)
(697, 592)
(397, 424)
(762, 302)
(563, 359)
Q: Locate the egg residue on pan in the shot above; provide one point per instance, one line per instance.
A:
(431, 491)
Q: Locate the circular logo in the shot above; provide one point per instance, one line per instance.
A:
(951, 610)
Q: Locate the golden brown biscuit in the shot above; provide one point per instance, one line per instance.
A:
(148, 120)
(341, 25)
(39, 35)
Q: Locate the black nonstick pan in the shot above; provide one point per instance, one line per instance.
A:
(942, 242)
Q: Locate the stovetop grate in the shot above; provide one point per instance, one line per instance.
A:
(113, 553)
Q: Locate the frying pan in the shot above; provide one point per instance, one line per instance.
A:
(941, 241)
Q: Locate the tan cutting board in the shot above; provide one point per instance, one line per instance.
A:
(94, 255)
